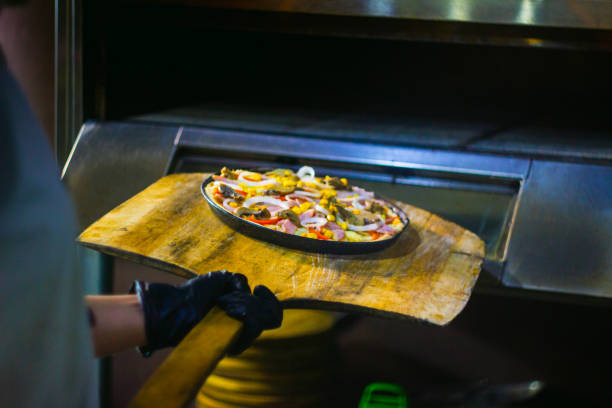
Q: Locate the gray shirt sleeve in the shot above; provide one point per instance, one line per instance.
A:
(46, 358)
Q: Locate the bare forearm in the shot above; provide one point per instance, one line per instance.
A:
(117, 323)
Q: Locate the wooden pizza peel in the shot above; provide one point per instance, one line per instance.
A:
(427, 274)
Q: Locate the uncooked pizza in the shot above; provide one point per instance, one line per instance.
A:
(300, 203)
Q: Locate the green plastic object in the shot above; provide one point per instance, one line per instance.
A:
(383, 395)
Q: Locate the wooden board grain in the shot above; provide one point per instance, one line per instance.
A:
(428, 274)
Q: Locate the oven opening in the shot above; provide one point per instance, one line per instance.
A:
(483, 204)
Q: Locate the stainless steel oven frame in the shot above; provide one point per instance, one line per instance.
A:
(559, 205)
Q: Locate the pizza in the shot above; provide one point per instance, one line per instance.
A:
(300, 203)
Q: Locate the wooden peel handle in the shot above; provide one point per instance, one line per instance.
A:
(177, 381)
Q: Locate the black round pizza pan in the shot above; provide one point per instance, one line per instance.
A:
(321, 246)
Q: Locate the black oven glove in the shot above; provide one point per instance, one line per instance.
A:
(170, 312)
(258, 311)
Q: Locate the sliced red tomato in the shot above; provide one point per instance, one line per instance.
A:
(319, 235)
(263, 222)
(375, 235)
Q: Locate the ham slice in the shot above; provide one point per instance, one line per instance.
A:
(385, 229)
(287, 226)
(274, 209)
(292, 203)
(307, 214)
(336, 229)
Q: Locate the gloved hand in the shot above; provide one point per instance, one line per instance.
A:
(258, 311)
(170, 312)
